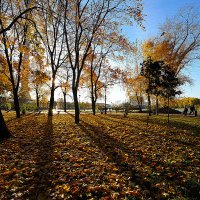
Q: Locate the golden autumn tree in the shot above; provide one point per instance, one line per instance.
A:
(91, 80)
(38, 69)
(4, 5)
(95, 62)
(135, 86)
(8, 18)
(39, 79)
(107, 45)
(179, 40)
(15, 47)
(4, 86)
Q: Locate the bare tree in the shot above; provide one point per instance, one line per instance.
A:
(82, 22)
(64, 80)
(51, 29)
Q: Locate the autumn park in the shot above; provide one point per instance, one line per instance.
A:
(62, 136)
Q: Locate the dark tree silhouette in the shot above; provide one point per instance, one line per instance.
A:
(4, 132)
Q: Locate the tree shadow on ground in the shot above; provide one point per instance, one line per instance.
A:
(174, 128)
(124, 123)
(163, 126)
(116, 151)
(13, 118)
(180, 125)
(42, 178)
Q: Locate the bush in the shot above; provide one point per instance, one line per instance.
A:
(8, 106)
(23, 109)
(31, 107)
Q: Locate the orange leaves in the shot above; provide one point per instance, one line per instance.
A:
(39, 77)
(133, 83)
(105, 157)
(23, 48)
(158, 50)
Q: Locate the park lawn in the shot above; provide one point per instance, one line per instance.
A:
(104, 157)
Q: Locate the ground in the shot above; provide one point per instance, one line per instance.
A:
(104, 157)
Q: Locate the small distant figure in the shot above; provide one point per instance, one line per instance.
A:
(185, 110)
(192, 109)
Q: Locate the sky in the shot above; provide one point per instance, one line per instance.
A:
(157, 12)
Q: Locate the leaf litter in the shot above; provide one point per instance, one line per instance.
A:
(104, 157)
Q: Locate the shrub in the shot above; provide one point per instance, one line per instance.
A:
(8, 106)
(23, 109)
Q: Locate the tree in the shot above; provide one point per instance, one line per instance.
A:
(6, 28)
(4, 8)
(38, 69)
(169, 84)
(148, 70)
(82, 22)
(161, 79)
(3, 128)
(52, 35)
(179, 40)
(64, 85)
(92, 73)
(110, 77)
(39, 79)
(135, 85)
(14, 45)
(106, 46)
(4, 86)
(8, 19)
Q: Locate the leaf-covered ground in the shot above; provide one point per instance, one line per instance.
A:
(105, 157)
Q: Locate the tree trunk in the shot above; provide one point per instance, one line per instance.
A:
(51, 103)
(105, 102)
(168, 109)
(139, 102)
(65, 103)
(37, 100)
(157, 112)
(93, 105)
(4, 132)
(16, 103)
(76, 105)
(149, 104)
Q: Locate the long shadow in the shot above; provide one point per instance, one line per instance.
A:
(111, 148)
(179, 126)
(123, 122)
(42, 175)
(22, 117)
(118, 118)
